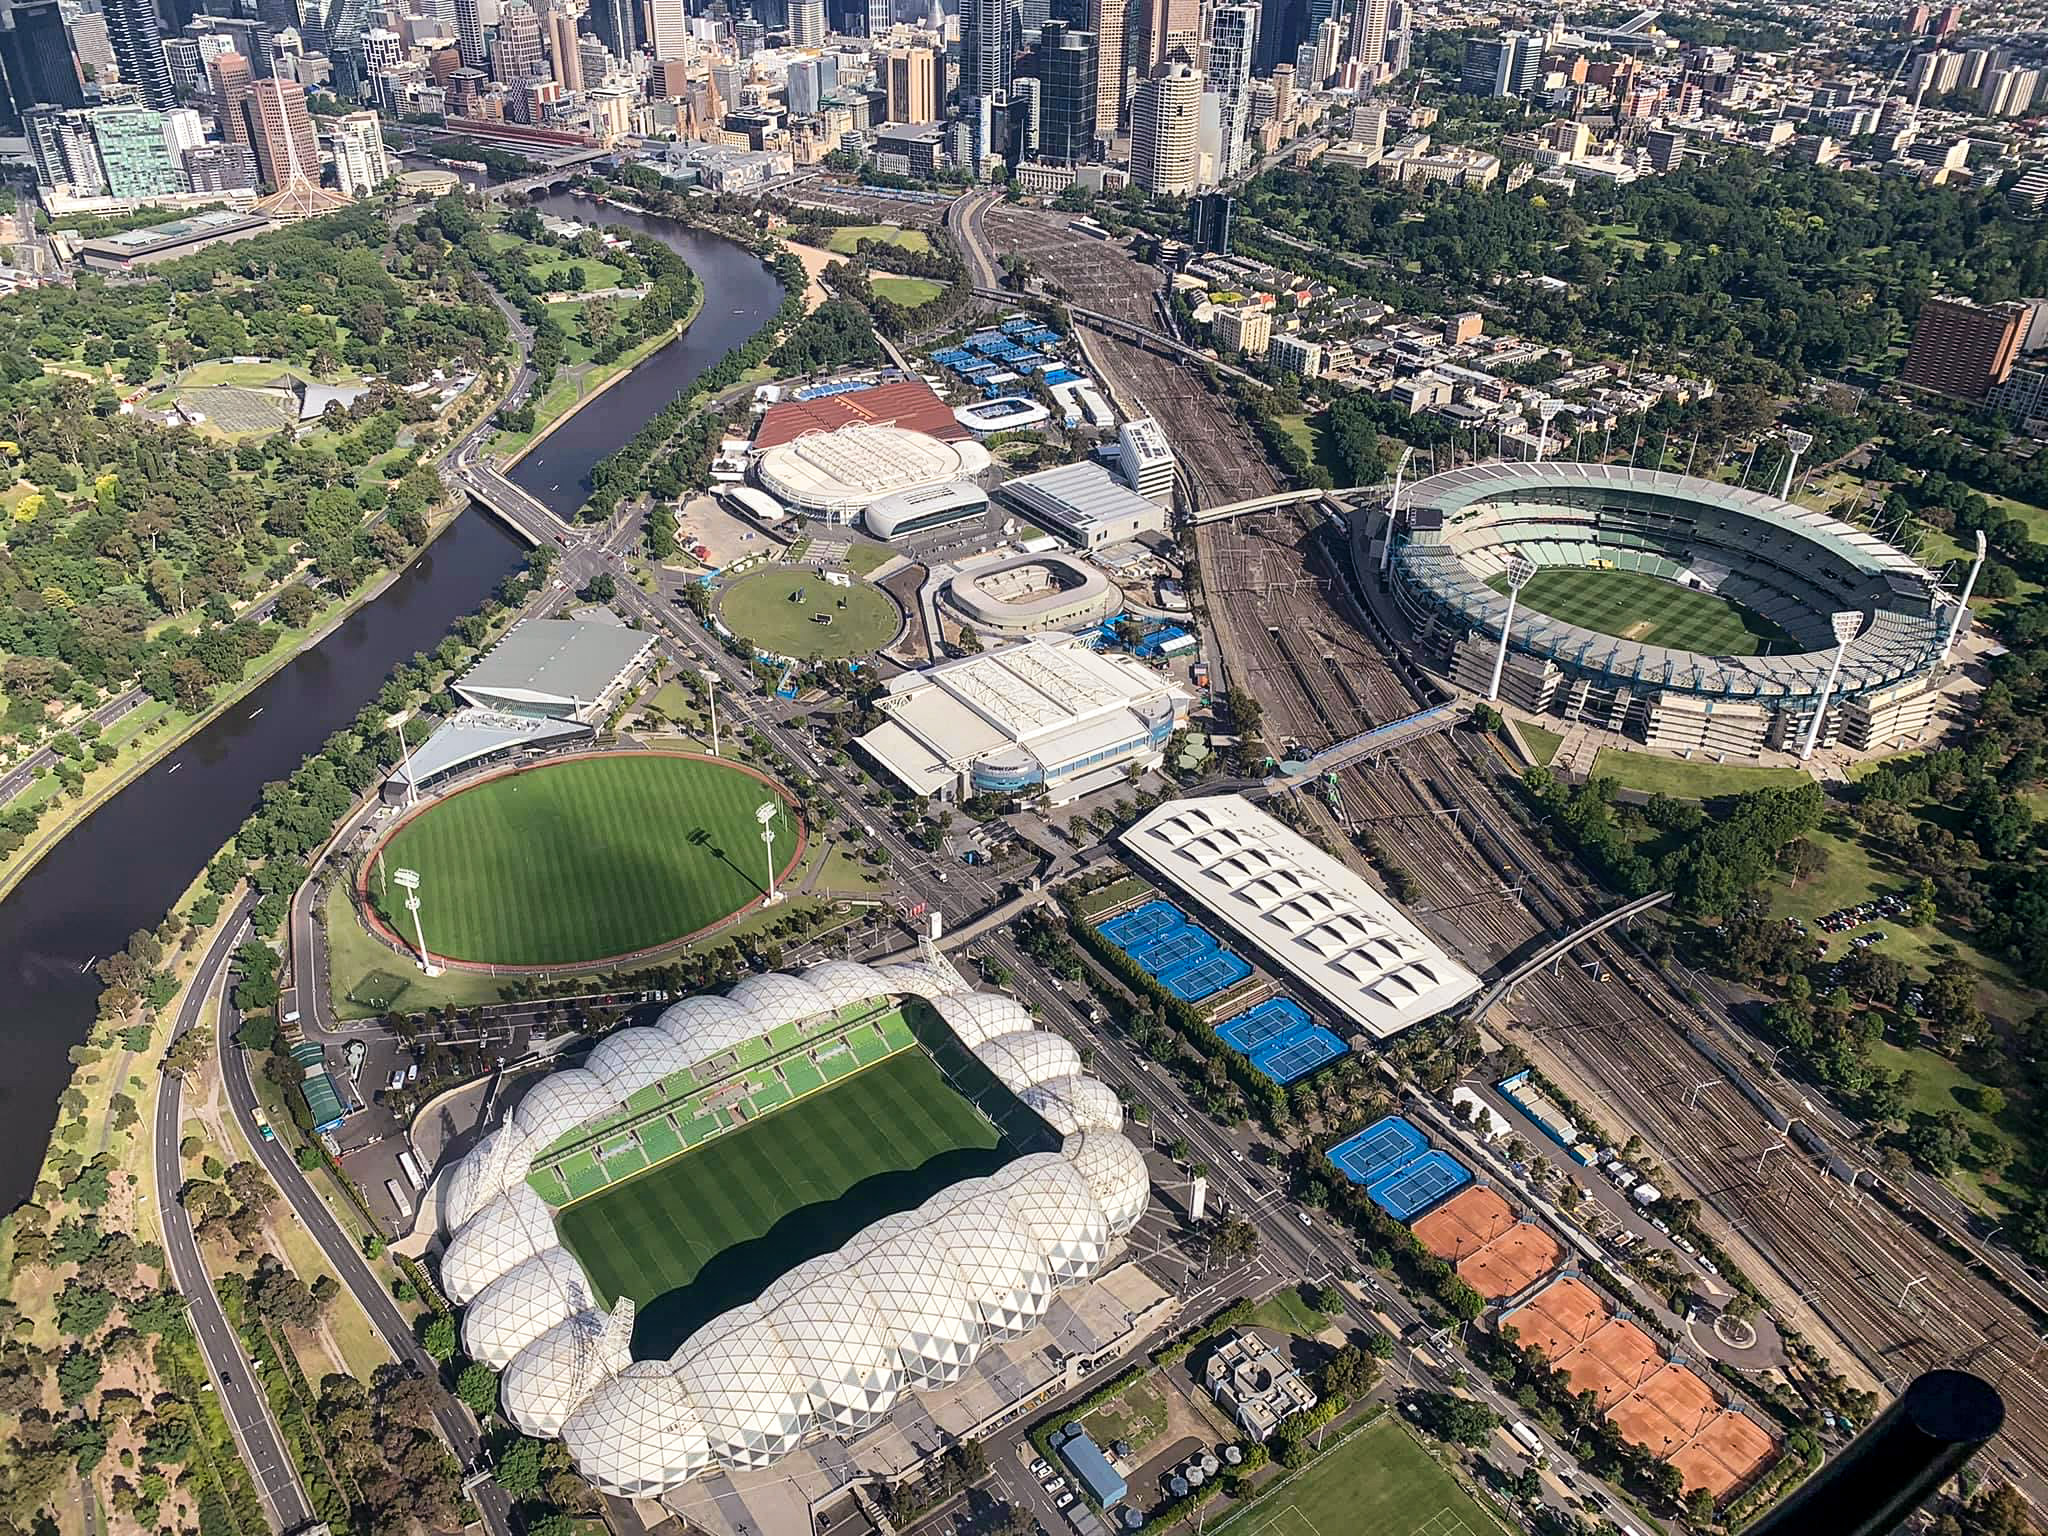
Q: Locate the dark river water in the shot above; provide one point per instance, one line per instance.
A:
(125, 866)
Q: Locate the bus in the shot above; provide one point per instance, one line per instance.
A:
(410, 1165)
(399, 1197)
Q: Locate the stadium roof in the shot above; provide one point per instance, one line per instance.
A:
(1311, 916)
(1076, 497)
(471, 734)
(553, 663)
(899, 403)
(856, 466)
(831, 1346)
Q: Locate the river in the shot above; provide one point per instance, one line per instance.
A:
(125, 866)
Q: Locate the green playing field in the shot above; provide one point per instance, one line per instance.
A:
(709, 1230)
(1638, 607)
(1380, 1480)
(580, 860)
(829, 622)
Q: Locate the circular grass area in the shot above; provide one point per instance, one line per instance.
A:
(780, 609)
(1631, 605)
(577, 861)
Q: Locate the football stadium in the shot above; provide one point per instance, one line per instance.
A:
(1687, 614)
(766, 1218)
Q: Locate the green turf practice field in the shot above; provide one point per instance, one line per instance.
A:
(710, 1229)
(907, 291)
(1638, 607)
(1380, 1480)
(846, 239)
(759, 608)
(580, 860)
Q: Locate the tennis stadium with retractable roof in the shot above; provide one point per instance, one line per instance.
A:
(768, 1217)
(1313, 919)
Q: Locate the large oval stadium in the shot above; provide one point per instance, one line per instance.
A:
(1691, 615)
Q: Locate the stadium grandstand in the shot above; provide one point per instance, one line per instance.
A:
(837, 475)
(1022, 594)
(1314, 919)
(1722, 638)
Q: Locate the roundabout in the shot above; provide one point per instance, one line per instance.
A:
(582, 860)
(792, 610)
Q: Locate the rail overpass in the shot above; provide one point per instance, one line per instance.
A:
(1557, 949)
(1126, 330)
(561, 170)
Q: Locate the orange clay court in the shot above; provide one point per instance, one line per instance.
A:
(1495, 1254)
(1664, 1408)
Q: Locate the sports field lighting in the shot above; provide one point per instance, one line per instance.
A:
(1394, 508)
(1798, 442)
(765, 814)
(1846, 625)
(711, 692)
(410, 879)
(1520, 569)
(1546, 413)
(1955, 622)
(396, 725)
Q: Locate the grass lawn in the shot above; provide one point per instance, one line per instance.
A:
(568, 314)
(1137, 1415)
(1288, 1311)
(846, 241)
(1311, 433)
(906, 291)
(575, 861)
(709, 1230)
(760, 607)
(1681, 780)
(1940, 1085)
(554, 271)
(1639, 607)
(1542, 744)
(1380, 1480)
(864, 559)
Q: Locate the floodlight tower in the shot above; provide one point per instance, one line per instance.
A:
(1845, 624)
(1798, 442)
(1955, 622)
(396, 725)
(1394, 510)
(711, 692)
(410, 879)
(765, 814)
(1546, 413)
(1520, 569)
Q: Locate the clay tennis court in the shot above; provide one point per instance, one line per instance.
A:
(1495, 1254)
(1726, 1455)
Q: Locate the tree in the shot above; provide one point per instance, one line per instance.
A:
(1456, 1419)
(477, 1386)
(1349, 1373)
(517, 1467)
(437, 1337)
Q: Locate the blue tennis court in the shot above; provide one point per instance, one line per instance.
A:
(1413, 1188)
(1143, 923)
(1170, 949)
(1380, 1148)
(1297, 1053)
(1205, 976)
(1261, 1026)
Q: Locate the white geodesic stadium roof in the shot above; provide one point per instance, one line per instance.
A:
(828, 1348)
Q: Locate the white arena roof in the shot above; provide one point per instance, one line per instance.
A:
(1311, 916)
(836, 474)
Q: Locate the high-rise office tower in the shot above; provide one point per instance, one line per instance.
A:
(1209, 222)
(1963, 349)
(133, 153)
(1329, 51)
(1106, 20)
(749, 37)
(802, 89)
(1170, 26)
(1365, 42)
(1400, 30)
(287, 149)
(564, 61)
(1027, 108)
(66, 156)
(881, 17)
(35, 58)
(807, 23)
(1068, 60)
(1233, 33)
(668, 29)
(469, 35)
(361, 164)
(138, 43)
(1508, 65)
(1166, 116)
(913, 85)
(231, 83)
(516, 52)
(616, 24)
(984, 47)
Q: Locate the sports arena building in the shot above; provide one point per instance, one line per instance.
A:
(1790, 565)
(837, 475)
(1024, 594)
(830, 1348)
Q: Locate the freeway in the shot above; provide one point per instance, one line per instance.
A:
(241, 1397)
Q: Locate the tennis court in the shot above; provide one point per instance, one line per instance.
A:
(1298, 1054)
(1380, 1147)
(1414, 1187)
(1169, 949)
(1258, 1027)
(1205, 976)
(1142, 924)
(1494, 1254)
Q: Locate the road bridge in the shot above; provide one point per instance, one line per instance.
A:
(1557, 949)
(561, 170)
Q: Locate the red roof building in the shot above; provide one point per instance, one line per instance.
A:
(907, 403)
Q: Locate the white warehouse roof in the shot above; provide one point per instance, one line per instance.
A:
(1310, 915)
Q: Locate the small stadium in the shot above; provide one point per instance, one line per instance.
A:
(582, 859)
(1681, 612)
(774, 1213)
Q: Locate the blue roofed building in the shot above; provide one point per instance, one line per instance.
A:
(1103, 1484)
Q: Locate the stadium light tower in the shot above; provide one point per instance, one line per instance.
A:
(1520, 569)
(711, 692)
(1393, 510)
(1798, 442)
(1846, 624)
(765, 814)
(396, 725)
(1955, 622)
(1546, 413)
(410, 879)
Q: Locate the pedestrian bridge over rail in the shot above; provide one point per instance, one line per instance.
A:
(1556, 950)
(1381, 738)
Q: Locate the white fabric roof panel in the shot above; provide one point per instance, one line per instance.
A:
(1309, 915)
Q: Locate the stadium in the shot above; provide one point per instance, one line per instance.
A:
(782, 1140)
(837, 475)
(1687, 614)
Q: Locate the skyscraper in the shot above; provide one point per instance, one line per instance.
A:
(1067, 85)
(615, 23)
(1508, 65)
(133, 152)
(1027, 108)
(139, 51)
(984, 47)
(563, 60)
(66, 157)
(668, 29)
(1106, 20)
(1365, 42)
(802, 90)
(913, 85)
(230, 75)
(1169, 25)
(361, 165)
(469, 35)
(1233, 33)
(807, 23)
(287, 149)
(881, 17)
(1963, 349)
(35, 58)
(1165, 120)
(516, 51)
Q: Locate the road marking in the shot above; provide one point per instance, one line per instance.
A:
(174, 768)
